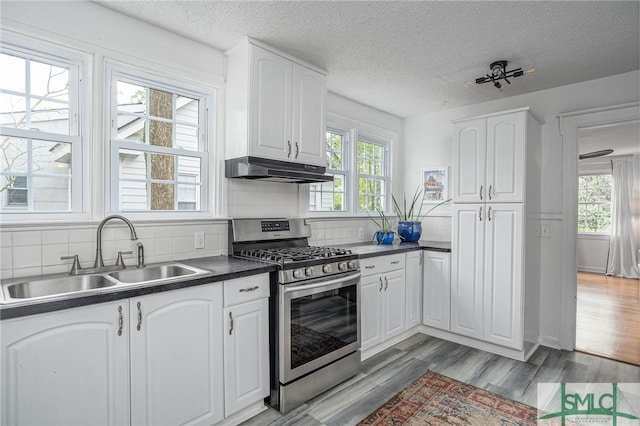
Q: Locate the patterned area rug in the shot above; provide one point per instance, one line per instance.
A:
(434, 399)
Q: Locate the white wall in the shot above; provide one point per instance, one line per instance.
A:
(428, 140)
(593, 251)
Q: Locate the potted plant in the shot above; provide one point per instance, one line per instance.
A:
(409, 216)
(385, 233)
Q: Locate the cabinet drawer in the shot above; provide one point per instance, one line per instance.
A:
(376, 265)
(246, 289)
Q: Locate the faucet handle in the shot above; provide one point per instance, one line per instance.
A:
(76, 263)
(120, 260)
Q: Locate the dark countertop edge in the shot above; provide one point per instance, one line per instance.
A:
(368, 250)
(7, 311)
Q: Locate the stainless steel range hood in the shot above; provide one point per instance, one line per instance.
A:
(274, 170)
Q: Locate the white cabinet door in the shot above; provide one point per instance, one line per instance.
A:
(437, 289)
(67, 368)
(503, 275)
(309, 109)
(469, 161)
(270, 105)
(176, 357)
(246, 354)
(505, 157)
(413, 305)
(371, 288)
(467, 249)
(393, 304)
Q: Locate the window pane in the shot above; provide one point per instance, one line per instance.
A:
(163, 167)
(160, 104)
(51, 157)
(52, 117)
(131, 97)
(12, 111)
(133, 195)
(51, 194)
(12, 73)
(594, 203)
(187, 110)
(14, 155)
(160, 133)
(49, 81)
(187, 137)
(162, 196)
(133, 164)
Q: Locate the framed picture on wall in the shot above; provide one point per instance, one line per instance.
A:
(435, 184)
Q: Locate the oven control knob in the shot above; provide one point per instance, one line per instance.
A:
(309, 271)
(342, 266)
(298, 273)
(327, 269)
(352, 264)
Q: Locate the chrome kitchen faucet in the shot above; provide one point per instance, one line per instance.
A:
(99, 262)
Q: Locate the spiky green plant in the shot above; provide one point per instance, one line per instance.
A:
(411, 212)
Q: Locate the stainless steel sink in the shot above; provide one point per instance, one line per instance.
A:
(54, 286)
(154, 273)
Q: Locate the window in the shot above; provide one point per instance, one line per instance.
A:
(371, 160)
(594, 203)
(332, 196)
(158, 146)
(40, 145)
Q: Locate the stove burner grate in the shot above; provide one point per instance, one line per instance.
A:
(294, 254)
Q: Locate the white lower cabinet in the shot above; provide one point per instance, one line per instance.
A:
(246, 343)
(149, 360)
(69, 367)
(437, 289)
(383, 299)
(414, 288)
(176, 357)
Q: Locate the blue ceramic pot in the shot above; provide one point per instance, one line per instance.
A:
(385, 237)
(410, 231)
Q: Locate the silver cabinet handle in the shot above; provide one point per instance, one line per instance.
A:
(248, 289)
(139, 305)
(489, 214)
(230, 323)
(289, 151)
(120, 321)
(297, 150)
(370, 267)
(380, 289)
(421, 258)
(481, 188)
(490, 188)
(386, 283)
(395, 262)
(480, 214)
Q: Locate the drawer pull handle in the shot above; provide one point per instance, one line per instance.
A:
(480, 214)
(395, 262)
(370, 267)
(380, 289)
(139, 315)
(490, 188)
(386, 283)
(289, 150)
(481, 188)
(230, 323)
(120, 321)
(489, 214)
(244, 290)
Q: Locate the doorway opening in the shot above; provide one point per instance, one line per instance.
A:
(608, 297)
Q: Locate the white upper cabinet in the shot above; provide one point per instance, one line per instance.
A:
(489, 159)
(276, 106)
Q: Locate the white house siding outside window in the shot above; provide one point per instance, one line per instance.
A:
(158, 145)
(333, 196)
(41, 143)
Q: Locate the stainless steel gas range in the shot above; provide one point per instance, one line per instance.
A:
(315, 308)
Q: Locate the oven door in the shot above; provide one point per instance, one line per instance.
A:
(320, 323)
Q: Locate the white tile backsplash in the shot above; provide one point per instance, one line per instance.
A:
(34, 252)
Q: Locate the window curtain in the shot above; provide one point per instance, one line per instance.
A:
(625, 219)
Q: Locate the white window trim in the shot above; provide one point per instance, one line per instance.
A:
(81, 103)
(209, 170)
(355, 128)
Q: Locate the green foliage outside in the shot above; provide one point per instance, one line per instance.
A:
(594, 203)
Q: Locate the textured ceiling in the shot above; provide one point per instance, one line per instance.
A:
(408, 58)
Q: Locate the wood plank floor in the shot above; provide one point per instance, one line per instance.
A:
(608, 317)
(388, 372)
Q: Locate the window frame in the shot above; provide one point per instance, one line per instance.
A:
(592, 173)
(347, 162)
(80, 122)
(177, 85)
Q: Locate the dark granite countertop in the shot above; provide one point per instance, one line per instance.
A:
(220, 268)
(365, 250)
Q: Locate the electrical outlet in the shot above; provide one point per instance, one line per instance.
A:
(545, 231)
(199, 240)
(360, 232)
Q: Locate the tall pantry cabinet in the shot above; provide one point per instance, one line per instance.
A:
(496, 221)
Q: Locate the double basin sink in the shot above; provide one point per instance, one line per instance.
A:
(82, 284)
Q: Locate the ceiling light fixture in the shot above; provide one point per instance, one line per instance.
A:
(499, 72)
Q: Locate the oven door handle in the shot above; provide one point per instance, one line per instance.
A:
(290, 289)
